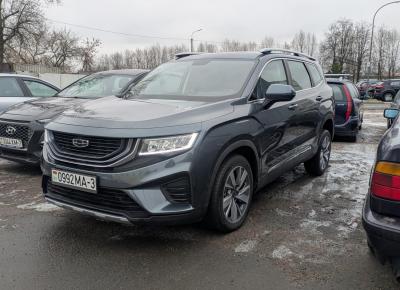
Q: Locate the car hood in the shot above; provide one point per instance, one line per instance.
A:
(117, 113)
(44, 108)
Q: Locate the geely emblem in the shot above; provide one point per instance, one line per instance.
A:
(80, 143)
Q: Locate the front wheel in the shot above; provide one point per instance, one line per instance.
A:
(319, 163)
(232, 195)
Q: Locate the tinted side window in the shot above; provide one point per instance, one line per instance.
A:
(338, 92)
(9, 87)
(301, 79)
(40, 90)
(315, 74)
(273, 73)
(353, 91)
(395, 84)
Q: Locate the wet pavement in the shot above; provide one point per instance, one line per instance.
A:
(302, 233)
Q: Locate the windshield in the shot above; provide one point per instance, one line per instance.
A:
(97, 85)
(205, 79)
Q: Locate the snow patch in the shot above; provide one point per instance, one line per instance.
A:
(246, 246)
(281, 252)
(42, 207)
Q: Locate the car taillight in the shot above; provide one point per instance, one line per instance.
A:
(385, 181)
(349, 102)
(379, 87)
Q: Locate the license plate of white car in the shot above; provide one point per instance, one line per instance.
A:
(11, 142)
(74, 180)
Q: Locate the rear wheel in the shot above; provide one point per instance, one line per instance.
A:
(317, 165)
(388, 97)
(231, 196)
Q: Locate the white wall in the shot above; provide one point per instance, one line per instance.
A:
(60, 80)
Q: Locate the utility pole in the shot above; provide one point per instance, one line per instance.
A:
(192, 40)
(372, 37)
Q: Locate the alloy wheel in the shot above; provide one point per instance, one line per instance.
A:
(237, 192)
(325, 152)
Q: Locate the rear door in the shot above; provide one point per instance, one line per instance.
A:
(11, 92)
(339, 93)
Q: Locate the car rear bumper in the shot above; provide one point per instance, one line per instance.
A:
(350, 128)
(383, 232)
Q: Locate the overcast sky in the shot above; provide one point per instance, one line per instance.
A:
(249, 20)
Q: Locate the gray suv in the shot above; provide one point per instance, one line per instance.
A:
(193, 140)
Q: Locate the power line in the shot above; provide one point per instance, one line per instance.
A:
(123, 33)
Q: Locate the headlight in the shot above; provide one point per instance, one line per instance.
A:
(167, 144)
(44, 121)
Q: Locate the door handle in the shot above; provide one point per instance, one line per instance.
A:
(319, 99)
(293, 107)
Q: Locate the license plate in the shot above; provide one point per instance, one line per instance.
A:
(74, 180)
(10, 142)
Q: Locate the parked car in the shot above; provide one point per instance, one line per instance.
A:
(381, 215)
(349, 111)
(366, 88)
(192, 140)
(395, 104)
(22, 126)
(386, 90)
(20, 88)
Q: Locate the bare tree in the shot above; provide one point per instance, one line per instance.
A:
(19, 21)
(360, 47)
(88, 52)
(393, 51)
(63, 47)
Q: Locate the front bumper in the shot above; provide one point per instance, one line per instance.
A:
(350, 128)
(32, 151)
(383, 231)
(145, 186)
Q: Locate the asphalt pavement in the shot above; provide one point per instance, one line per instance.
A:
(302, 233)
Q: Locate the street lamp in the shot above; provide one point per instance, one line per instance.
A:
(191, 38)
(372, 36)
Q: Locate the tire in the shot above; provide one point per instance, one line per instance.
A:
(388, 97)
(228, 217)
(319, 163)
(353, 138)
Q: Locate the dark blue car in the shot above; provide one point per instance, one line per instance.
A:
(349, 109)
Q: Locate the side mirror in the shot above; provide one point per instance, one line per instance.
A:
(390, 113)
(280, 93)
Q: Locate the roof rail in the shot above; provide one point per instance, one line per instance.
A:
(185, 54)
(285, 51)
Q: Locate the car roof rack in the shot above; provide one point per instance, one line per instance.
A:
(185, 54)
(285, 51)
(340, 77)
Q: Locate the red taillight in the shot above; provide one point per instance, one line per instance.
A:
(379, 87)
(385, 181)
(349, 102)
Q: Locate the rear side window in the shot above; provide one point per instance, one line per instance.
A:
(9, 87)
(395, 84)
(40, 90)
(273, 73)
(315, 74)
(338, 92)
(300, 78)
(353, 91)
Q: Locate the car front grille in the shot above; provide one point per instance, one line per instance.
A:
(16, 131)
(91, 150)
(106, 200)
